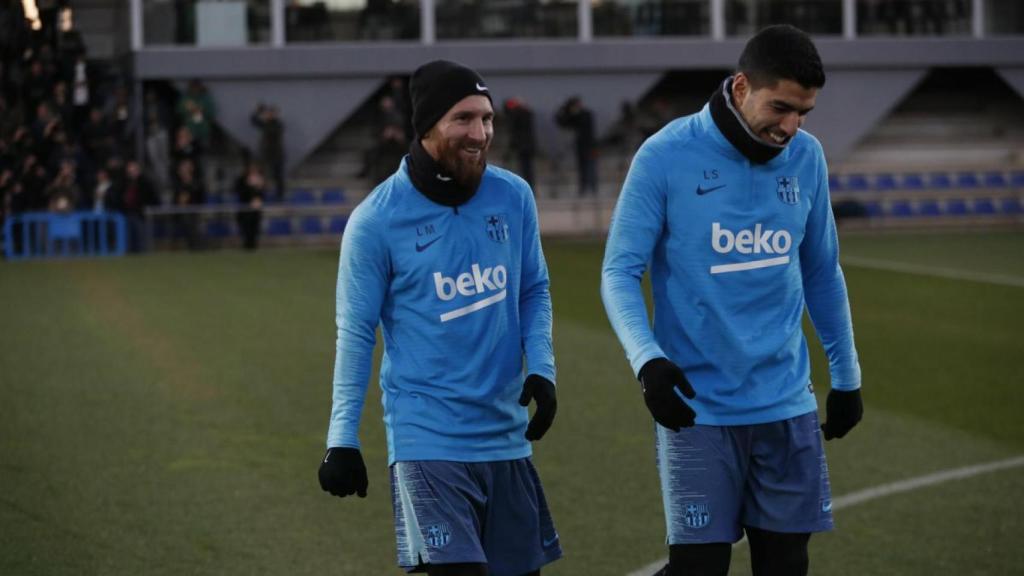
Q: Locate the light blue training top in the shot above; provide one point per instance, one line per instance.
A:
(735, 251)
(461, 295)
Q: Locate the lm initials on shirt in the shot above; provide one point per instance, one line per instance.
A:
(759, 240)
(477, 281)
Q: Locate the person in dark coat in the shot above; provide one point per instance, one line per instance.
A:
(575, 117)
(250, 187)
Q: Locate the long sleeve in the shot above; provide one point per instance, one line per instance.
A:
(825, 289)
(362, 285)
(535, 298)
(636, 227)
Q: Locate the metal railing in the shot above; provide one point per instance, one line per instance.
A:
(53, 235)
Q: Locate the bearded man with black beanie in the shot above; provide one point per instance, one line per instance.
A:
(729, 210)
(445, 257)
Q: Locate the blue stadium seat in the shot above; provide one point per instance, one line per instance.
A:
(885, 182)
(857, 182)
(218, 228)
(301, 197)
(956, 207)
(214, 199)
(1017, 179)
(939, 181)
(311, 225)
(834, 183)
(873, 209)
(1011, 206)
(913, 181)
(279, 227)
(930, 208)
(967, 180)
(902, 209)
(995, 180)
(333, 196)
(984, 206)
(337, 224)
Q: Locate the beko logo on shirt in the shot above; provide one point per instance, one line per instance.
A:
(476, 281)
(759, 240)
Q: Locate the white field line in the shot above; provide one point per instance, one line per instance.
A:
(883, 490)
(953, 273)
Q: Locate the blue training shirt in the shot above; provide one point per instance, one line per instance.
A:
(461, 295)
(735, 250)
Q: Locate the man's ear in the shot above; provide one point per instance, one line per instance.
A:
(740, 89)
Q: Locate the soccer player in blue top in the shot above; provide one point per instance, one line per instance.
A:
(729, 210)
(445, 257)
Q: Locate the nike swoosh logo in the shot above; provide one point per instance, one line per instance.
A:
(548, 542)
(481, 88)
(703, 191)
(424, 246)
(826, 506)
(444, 178)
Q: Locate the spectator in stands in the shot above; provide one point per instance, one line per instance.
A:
(137, 193)
(188, 192)
(158, 154)
(271, 151)
(37, 87)
(378, 161)
(522, 140)
(390, 149)
(34, 181)
(121, 116)
(61, 106)
(81, 90)
(197, 111)
(572, 115)
(13, 36)
(399, 94)
(103, 196)
(97, 138)
(185, 148)
(63, 194)
(250, 187)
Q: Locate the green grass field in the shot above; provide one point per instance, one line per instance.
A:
(165, 414)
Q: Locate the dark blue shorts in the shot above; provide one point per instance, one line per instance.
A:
(717, 479)
(491, 513)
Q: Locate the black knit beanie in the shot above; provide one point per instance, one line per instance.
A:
(437, 86)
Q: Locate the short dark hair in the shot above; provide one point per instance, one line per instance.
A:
(782, 52)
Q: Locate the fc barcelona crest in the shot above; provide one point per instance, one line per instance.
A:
(696, 515)
(789, 189)
(497, 228)
(438, 535)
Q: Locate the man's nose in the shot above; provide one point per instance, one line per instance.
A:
(791, 123)
(477, 130)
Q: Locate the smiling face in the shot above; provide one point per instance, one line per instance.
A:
(774, 112)
(460, 139)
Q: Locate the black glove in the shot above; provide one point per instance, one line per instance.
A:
(843, 410)
(543, 391)
(343, 473)
(664, 386)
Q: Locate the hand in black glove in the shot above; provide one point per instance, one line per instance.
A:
(543, 391)
(843, 410)
(343, 473)
(664, 386)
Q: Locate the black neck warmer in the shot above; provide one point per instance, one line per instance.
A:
(735, 129)
(433, 181)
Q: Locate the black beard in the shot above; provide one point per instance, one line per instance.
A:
(467, 174)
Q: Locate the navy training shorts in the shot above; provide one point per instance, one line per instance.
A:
(717, 479)
(492, 513)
